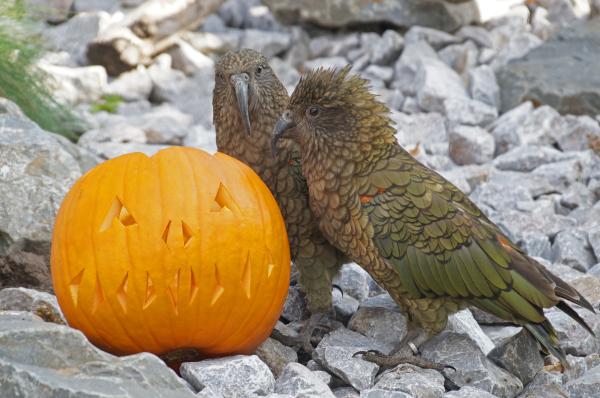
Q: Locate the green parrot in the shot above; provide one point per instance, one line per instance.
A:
(418, 235)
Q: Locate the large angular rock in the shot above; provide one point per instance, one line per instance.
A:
(275, 355)
(559, 73)
(33, 165)
(574, 339)
(473, 368)
(298, 381)
(444, 15)
(469, 392)
(353, 280)
(412, 380)
(42, 304)
(76, 85)
(335, 352)
(426, 129)
(235, 376)
(409, 63)
(379, 317)
(436, 39)
(587, 386)
(528, 157)
(435, 82)
(483, 85)
(267, 43)
(519, 355)
(50, 10)
(469, 112)
(40, 359)
(463, 322)
(572, 248)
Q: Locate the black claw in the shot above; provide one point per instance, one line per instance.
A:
(338, 288)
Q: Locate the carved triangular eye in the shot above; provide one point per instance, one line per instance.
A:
(119, 211)
(223, 200)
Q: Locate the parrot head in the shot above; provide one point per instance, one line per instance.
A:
(242, 79)
(330, 107)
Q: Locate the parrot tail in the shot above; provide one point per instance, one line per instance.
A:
(546, 335)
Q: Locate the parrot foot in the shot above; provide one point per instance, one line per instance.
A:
(304, 338)
(391, 361)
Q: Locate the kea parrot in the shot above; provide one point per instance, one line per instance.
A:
(418, 235)
(248, 99)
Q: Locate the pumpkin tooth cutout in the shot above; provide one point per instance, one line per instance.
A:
(122, 292)
(270, 264)
(98, 294)
(150, 291)
(247, 277)
(165, 234)
(186, 233)
(223, 200)
(194, 288)
(174, 291)
(118, 211)
(74, 286)
(219, 289)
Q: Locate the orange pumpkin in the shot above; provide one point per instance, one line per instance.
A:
(179, 250)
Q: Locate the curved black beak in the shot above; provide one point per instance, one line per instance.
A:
(281, 127)
(240, 85)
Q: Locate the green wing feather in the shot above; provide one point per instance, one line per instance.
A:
(444, 246)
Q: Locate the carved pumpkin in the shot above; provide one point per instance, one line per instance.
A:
(179, 250)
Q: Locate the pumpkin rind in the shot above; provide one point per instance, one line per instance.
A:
(179, 250)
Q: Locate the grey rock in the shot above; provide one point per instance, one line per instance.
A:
(383, 73)
(536, 244)
(426, 129)
(235, 376)
(460, 57)
(516, 47)
(471, 175)
(572, 248)
(267, 43)
(208, 42)
(579, 366)
(468, 392)
(478, 34)
(410, 379)
(322, 375)
(295, 307)
(528, 157)
(589, 286)
(473, 368)
(564, 13)
(535, 184)
(380, 393)
(498, 198)
(519, 355)
(435, 38)
(115, 133)
(346, 392)
(344, 305)
(546, 384)
(186, 58)
(594, 240)
(380, 318)
(298, 381)
(469, 112)
(42, 304)
(387, 49)
(36, 166)
(74, 35)
(335, 352)
(409, 63)
(331, 46)
(470, 145)
(500, 333)
(577, 195)
(96, 5)
(483, 85)
(44, 359)
(562, 174)
(587, 386)
(463, 322)
(558, 73)
(132, 85)
(436, 81)
(288, 75)
(276, 355)
(49, 10)
(200, 137)
(579, 131)
(573, 338)
(326, 62)
(76, 85)
(164, 124)
(109, 150)
(353, 280)
(444, 15)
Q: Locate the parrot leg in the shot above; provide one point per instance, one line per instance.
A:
(406, 353)
(304, 338)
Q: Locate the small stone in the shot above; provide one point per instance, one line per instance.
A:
(483, 85)
(573, 338)
(346, 392)
(76, 85)
(460, 57)
(132, 85)
(331, 46)
(295, 307)
(435, 38)
(42, 304)
(577, 195)
(473, 368)
(436, 81)
(298, 381)
(267, 43)
(344, 305)
(200, 137)
(380, 318)
(572, 248)
(326, 62)
(383, 73)
(587, 386)
(189, 60)
(353, 280)
(463, 322)
(409, 63)
(499, 334)
(536, 244)
(589, 286)
(469, 112)
(426, 383)
(288, 75)
(528, 157)
(478, 34)
(468, 392)
(425, 129)
(239, 375)
(50, 10)
(276, 355)
(516, 47)
(387, 49)
(335, 352)
(470, 145)
(580, 130)
(519, 355)
(579, 366)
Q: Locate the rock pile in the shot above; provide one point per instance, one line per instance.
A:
(500, 97)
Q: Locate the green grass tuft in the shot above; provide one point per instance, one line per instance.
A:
(21, 81)
(108, 103)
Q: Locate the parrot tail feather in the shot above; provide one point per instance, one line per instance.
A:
(546, 335)
(563, 290)
(564, 307)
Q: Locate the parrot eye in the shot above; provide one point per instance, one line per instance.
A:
(313, 111)
(259, 70)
